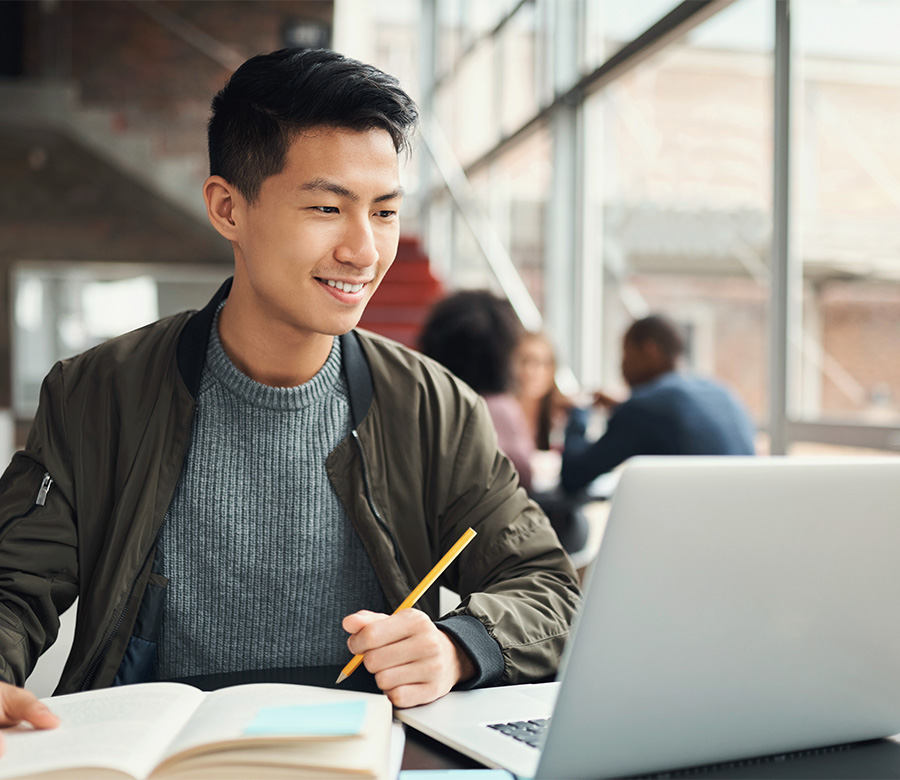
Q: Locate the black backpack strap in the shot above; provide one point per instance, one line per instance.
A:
(358, 376)
(194, 339)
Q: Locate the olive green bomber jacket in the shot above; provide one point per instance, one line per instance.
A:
(81, 506)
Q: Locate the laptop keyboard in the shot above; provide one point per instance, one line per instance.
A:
(531, 732)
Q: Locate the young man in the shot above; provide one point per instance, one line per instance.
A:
(668, 413)
(243, 486)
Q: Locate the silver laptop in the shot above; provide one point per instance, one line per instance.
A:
(738, 607)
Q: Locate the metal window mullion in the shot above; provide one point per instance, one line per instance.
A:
(780, 298)
(428, 35)
(560, 266)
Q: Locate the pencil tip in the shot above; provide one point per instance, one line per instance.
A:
(341, 678)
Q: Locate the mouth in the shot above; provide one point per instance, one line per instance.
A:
(349, 287)
(344, 291)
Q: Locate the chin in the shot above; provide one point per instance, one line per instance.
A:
(342, 327)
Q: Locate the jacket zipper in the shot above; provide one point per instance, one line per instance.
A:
(118, 624)
(370, 501)
(40, 500)
(45, 489)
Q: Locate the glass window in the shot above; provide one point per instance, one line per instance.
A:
(518, 95)
(467, 106)
(516, 191)
(846, 211)
(679, 192)
(609, 24)
(62, 309)
(512, 192)
(449, 35)
(480, 17)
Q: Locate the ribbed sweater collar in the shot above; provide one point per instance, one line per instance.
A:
(220, 368)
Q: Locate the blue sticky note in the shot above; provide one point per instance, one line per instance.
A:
(339, 719)
(455, 774)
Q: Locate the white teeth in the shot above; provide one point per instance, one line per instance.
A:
(344, 286)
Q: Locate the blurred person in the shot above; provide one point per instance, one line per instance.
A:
(668, 412)
(543, 404)
(199, 483)
(473, 334)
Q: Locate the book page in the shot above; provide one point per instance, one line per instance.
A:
(223, 719)
(125, 728)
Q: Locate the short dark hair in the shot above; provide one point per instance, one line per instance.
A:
(661, 331)
(473, 333)
(273, 97)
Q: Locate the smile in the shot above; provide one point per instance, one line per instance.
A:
(344, 286)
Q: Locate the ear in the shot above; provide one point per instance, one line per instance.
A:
(220, 199)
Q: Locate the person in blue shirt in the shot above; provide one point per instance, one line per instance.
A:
(668, 413)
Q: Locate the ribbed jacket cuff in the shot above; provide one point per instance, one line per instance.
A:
(472, 636)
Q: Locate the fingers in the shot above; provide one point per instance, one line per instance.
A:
(17, 705)
(422, 651)
(604, 400)
(373, 630)
(413, 661)
(359, 620)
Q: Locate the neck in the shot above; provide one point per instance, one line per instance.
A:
(274, 355)
(652, 377)
(530, 406)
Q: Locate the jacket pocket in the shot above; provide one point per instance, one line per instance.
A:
(23, 496)
(140, 654)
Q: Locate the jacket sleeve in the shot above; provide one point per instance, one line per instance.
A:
(38, 541)
(514, 578)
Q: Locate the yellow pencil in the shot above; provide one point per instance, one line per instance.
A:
(417, 592)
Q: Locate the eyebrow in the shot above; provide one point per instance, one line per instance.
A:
(324, 185)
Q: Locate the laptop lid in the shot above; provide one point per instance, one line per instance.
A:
(738, 607)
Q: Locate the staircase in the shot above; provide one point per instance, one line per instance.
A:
(398, 308)
(400, 305)
(176, 178)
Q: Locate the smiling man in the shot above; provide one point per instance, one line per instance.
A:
(245, 486)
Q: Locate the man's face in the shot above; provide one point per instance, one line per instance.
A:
(640, 361)
(313, 248)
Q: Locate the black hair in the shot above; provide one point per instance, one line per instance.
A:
(473, 334)
(272, 97)
(661, 331)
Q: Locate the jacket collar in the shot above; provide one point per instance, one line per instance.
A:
(194, 338)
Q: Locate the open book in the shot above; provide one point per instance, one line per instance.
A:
(170, 730)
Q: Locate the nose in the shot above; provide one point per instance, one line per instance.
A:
(357, 245)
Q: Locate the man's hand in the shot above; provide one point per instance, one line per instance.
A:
(413, 661)
(17, 705)
(606, 401)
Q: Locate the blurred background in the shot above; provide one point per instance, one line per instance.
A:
(732, 164)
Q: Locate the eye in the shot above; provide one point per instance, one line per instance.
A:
(385, 214)
(327, 209)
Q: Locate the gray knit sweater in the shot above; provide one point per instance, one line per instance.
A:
(261, 557)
